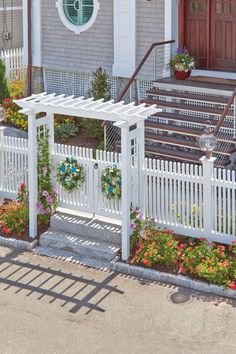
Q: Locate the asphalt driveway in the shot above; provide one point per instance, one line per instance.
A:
(51, 306)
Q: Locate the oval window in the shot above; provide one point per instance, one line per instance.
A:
(78, 15)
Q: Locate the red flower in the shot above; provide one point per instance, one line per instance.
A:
(232, 285)
(146, 262)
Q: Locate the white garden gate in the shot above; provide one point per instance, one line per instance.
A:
(129, 118)
(89, 197)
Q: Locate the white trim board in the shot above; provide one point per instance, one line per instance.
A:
(124, 38)
(212, 73)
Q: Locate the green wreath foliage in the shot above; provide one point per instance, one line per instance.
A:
(71, 175)
(111, 182)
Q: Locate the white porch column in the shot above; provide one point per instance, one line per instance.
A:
(208, 166)
(124, 38)
(32, 173)
(126, 189)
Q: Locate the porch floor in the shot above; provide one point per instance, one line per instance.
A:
(193, 83)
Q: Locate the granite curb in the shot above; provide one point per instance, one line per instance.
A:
(124, 268)
(23, 245)
(179, 280)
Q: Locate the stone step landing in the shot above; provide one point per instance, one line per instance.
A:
(92, 229)
(89, 248)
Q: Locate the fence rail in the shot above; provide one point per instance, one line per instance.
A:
(191, 200)
(13, 59)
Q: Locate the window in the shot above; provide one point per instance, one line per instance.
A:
(78, 15)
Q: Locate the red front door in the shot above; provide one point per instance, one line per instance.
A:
(209, 32)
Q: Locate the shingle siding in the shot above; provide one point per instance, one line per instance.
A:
(62, 49)
(150, 29)
(85, 51)
(14, 24)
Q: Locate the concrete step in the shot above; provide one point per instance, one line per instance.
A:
(82, 246)
(89, 228)
(75, 258)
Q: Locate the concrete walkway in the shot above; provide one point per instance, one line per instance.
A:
(50, 306)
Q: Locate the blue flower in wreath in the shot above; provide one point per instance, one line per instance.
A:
(70, 174)
(110, 189)
(73, 169)
(63, 168)
(107, 179)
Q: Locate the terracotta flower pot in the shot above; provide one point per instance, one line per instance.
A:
(182, 75)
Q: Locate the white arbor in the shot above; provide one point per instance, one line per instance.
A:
(128, 117)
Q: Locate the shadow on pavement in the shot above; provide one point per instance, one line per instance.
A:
(78, 291)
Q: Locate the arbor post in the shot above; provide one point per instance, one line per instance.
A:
(32, 173)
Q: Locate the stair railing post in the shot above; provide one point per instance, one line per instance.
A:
(208, 168)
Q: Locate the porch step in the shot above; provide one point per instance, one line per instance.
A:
(180, 156)
(184, 107)
(181, 130)
(81, 246)
(89, 228)
(218, 100)
(182, 118)
(186, 142)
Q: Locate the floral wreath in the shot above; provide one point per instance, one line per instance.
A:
(111, 182)
(71, 175)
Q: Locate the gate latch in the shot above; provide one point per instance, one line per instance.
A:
(95, 166)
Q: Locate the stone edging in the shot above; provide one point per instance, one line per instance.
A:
(23, 245)
(179, 280)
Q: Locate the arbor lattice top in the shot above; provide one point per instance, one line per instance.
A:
(88, 108)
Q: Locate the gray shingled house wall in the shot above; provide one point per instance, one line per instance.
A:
(14, 24)
(62, 49)
(84, 52)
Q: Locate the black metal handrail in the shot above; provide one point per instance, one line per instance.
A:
(121, 96)
(225, 112)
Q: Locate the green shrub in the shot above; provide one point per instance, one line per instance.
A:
(4, 92)
(100, 88)
(65, 127)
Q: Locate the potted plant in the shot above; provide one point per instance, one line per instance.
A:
(182, 63)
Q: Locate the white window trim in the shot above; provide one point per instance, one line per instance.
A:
(77, 29)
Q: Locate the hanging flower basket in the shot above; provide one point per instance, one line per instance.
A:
(111, 182)
(71, 175)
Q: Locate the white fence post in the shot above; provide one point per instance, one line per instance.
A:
(208, 167)
(32, 173)
(6, 60)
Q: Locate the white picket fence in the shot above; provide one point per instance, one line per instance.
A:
(181, 197)
(13, 165)
(195, 201)
(13, 59)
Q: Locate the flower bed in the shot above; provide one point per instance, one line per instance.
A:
(198, 258)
